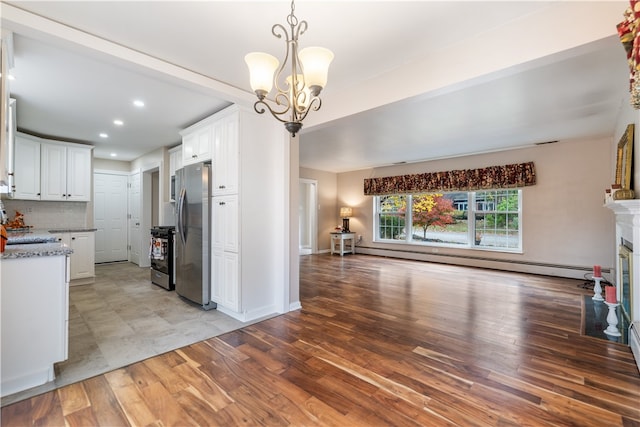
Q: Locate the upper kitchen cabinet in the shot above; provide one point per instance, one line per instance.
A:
(27, 163)
(175, 163)
(196, 143)
(64, 170)
(225, 155)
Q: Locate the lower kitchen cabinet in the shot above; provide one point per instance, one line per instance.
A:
(83, 257)
(34, 320)
(225, 280)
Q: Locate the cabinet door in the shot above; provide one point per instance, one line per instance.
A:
(82, 259)
(78, 174)
(225, 232)
(27, 169)
(225, 156)
(231, 285)
(53, 176)
(217, 275)
(196, 147)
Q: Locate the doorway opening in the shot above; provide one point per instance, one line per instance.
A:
(308, 216)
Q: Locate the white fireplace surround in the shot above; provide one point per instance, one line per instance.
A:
(628, 228)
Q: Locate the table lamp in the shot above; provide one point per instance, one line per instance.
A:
(345, 213)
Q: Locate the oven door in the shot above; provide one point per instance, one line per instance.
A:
(159, 254)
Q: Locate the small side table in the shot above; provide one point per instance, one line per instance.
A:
(338, 241)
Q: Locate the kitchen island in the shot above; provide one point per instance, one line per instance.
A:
(34, 291)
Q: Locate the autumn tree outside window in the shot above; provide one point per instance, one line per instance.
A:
(477, 219)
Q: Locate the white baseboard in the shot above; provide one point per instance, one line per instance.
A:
(544, 269)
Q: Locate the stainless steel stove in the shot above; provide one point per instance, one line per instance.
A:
(162, 255)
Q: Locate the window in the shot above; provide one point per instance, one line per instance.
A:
(480, 219)
(391, 217)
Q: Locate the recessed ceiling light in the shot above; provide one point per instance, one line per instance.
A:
(113, 155)
(118, 122)
(104, 135)
(138, 103)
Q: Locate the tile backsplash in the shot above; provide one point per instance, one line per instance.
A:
(49, 215)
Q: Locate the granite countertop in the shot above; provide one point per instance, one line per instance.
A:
(31, 250)
(29, 242)
(24, 237)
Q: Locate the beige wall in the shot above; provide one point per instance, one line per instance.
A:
(111, 165)
(566, 229)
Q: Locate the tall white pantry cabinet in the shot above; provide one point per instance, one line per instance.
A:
(248, 211)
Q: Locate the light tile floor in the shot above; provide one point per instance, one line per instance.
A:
(123, 318)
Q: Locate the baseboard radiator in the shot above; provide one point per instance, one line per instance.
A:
(634, 341)
(546, 269)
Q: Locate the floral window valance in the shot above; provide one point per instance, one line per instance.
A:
(507, 176)
(629, 33)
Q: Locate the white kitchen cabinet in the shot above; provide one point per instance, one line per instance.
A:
(175, 163)
(83, 257)
(248, 236)
(175, 160)
(225, 223)
(226, 289)
(66, 173)
(54, 172)
(224, 249)
(225, 156)
(79, 173)
(51, 170)
(34, 320)
(27, 166)
(196, 143)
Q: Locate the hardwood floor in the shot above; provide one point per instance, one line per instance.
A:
(378, 342)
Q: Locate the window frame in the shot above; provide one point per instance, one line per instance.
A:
(471, 223)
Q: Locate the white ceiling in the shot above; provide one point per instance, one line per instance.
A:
(414, 80)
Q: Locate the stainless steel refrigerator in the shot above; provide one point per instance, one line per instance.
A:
(193, 234)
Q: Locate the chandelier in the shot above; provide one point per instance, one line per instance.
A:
(298, 93)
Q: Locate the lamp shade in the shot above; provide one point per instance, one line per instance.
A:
(346, 212)
(261, 69)
(315, 63)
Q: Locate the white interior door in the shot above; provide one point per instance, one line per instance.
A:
(110, 216)
(308, 222)
(134, 218)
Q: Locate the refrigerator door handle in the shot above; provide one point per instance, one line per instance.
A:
(182, 215)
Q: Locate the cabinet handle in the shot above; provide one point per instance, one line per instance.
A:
(194, 156)
(73, 238)
(221, 186)
(221, 203)
(38, 194)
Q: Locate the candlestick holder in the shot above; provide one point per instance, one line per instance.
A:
(597, 290)
(612, 320)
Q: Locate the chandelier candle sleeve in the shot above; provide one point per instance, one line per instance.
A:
(597, 271)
